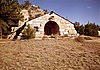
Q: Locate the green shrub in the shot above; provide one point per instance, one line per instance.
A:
(29, 32)
(81, 30)
(91, 29)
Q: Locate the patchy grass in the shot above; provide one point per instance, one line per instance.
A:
(82, 38)
(79, 39)
(50, 54)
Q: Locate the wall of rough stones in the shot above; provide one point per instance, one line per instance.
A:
(66, 27)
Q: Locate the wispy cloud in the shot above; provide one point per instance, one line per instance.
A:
(89, 7)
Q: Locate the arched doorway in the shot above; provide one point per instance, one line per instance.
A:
(51, 27)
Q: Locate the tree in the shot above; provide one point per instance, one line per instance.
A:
(3, 26)
(9, 10)
(91, 29)
(26, 4)
(81, 30)
(77, 24)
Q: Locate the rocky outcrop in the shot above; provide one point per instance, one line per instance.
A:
(35, 11)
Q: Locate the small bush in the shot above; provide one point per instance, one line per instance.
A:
(44, 37)
(87, 38)
(29, 32)
(79, 39)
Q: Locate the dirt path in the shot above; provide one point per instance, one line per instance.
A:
(65, 54)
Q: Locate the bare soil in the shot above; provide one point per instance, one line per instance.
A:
(50, 54)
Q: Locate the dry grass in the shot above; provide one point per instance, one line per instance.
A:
(64, 54)
(82, 38)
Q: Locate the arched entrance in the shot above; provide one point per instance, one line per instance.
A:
(51, 27)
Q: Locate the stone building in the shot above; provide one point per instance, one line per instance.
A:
(52, 24)
(98, 33)
(48, 24)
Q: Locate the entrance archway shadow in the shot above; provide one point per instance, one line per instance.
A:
(51, 27)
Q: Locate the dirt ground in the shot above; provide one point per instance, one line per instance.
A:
(49, 54)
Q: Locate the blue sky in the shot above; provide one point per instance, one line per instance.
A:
(75, 10)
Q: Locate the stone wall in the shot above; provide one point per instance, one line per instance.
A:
(66, 27)
(98, 33)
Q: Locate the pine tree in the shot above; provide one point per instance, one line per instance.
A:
(91, 29)
(3, 26)
(81, 30)
(9, 10)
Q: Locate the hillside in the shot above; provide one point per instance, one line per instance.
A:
(35, 11)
